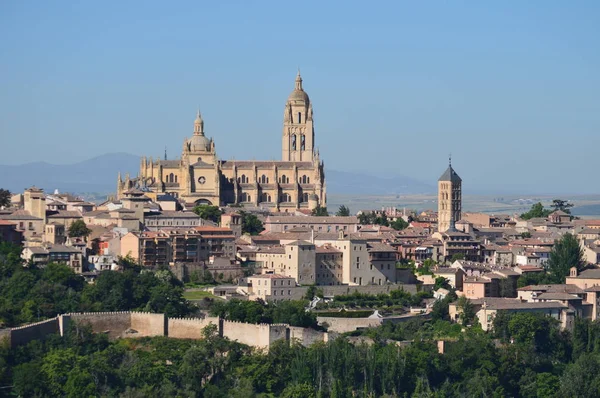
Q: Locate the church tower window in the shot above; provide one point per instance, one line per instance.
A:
(293, 142)
(302, 142)
(299, 117)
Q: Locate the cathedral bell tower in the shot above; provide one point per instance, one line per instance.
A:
(298, 131)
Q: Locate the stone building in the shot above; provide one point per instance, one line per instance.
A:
(449, 199)
(199, 177)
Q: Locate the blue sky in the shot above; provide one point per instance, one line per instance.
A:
(510, 88)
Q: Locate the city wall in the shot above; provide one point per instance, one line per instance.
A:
(143, 324)
(190, 328)
(343, 325)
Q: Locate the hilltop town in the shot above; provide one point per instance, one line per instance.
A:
(200, 248)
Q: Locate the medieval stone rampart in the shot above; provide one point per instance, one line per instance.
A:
(33, 331)
(190, 328)
(141, 324)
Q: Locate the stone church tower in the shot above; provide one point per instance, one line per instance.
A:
(298, 131)
(449, 199)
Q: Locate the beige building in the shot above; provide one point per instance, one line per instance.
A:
(42, 255)
(319, 224)
(449, 199)
(272, 287)
(199, 177)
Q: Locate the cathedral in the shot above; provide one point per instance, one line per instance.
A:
(199, 177)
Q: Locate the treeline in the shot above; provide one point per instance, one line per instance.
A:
(292, 312)
(527, 357)
(29, 294)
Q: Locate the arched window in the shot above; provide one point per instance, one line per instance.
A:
(246, 197)
(170, 178)
(285, 198)
(302, 142)
(299, 117)
(199, 159)
(264, 179)
(265, 197)
(175, 178)
(244, 179)
(304, 179)
(305, 197)
(293, 142)
(284, 180)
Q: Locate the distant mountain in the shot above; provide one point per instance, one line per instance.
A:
(342, 182)
(99, 175)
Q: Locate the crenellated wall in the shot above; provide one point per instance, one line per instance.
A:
(33, 331)
(190, 328)
(142, 324)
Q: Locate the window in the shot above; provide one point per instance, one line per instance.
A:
(302, 143)
(264, 179)
(284, 180)
(299, 117)
(274, 283)
(274, 292)
(293, 142)
(289, 292)
(282, 292)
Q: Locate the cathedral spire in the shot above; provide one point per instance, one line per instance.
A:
(198, 124)
(298, 81)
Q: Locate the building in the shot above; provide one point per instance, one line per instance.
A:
(449, 199)
(319, 224)
(61, 254)
(219, 241)
(9, 232)
(199, 177)
(154, 248)
(272, 287)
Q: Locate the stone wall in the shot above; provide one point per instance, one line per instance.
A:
(33, 331)
(343, 325)
(114, 324)
(190, 328)
(142, 324)
(147, 324)
(329, 291)
(307, 337)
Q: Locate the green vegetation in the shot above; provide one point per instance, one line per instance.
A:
(78, 229)
(562, 205)
(396, 301)
(343, 211)
(566, 253)
(399, 224)
(320, 211)
(537, 211)
(208, 212)
(527, 356)
(4, 197)
(251, 224)
(29, 294)
(197, 294)
(290, 312)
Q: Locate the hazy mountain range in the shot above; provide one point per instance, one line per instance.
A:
(99, 175)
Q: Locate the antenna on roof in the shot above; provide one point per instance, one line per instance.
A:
(450, 160)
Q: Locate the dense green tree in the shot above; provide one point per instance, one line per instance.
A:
(456, 257)
(562, 205)
(208, 212)
(319, 211)
(466, 311)
(399, 224)
(78, 229)
(566, 253)
(343, 211)
(4, 197)
(537, 211)
(251, 224)
(526, 235)
(581, 379)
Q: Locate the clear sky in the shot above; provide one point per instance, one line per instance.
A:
(510, 88)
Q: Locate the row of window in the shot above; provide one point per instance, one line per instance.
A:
(265, 180)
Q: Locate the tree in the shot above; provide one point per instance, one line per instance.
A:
(537, 211)
(208, 212)
(441, 283)
(320, 211)
(79, 229)
(562, 205)
(466, 310)
(526, 235)
(4, 197)
(251, 224)
(566, 253)
(399, 224)
(343, 211)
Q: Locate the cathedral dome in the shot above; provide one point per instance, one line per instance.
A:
(198, 143)
(298, 94)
